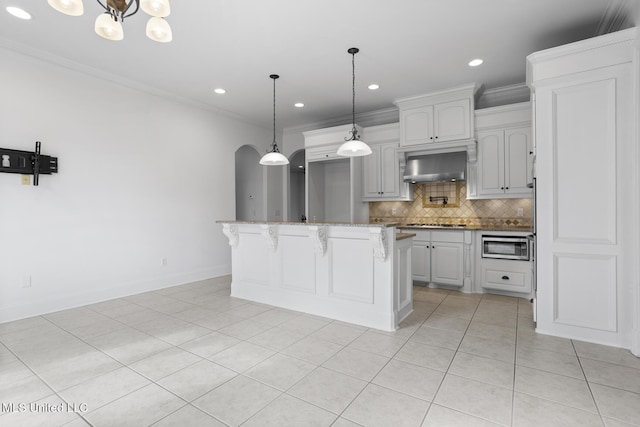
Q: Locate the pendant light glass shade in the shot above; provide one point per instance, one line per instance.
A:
(353, 147)
(108, 28)
(158, 8)
(68, 7)
(274, 157)
(159, 30)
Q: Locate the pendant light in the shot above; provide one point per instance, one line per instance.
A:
(354, 147)
(274, 157)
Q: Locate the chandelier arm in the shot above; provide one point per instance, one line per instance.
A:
(137, 2)
(105, 7)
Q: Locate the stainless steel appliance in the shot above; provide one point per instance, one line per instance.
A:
(506, 247)
(443, 167)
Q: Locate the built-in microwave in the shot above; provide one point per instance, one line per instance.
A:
(505, 247)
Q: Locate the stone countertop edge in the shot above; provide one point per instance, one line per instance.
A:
(524, 229)
(310, 224)
(401, 236)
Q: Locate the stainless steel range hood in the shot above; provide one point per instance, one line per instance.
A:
(443, 167)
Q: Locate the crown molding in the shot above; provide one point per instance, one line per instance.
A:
(372, 118)
(512, 94)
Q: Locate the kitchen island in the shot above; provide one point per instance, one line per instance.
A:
(353, 272)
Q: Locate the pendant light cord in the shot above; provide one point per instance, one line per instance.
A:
(354, 131)
(274, 145)
(274, 114)
(353, 87)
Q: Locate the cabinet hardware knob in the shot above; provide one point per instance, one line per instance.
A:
(430, 137)
(502, 188)
(505, 277)
(506, 188)
(326, 155)
(530, 152)
(436, 137)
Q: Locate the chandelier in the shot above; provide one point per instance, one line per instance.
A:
(109, 24)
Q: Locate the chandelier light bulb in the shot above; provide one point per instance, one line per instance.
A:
(68, 7)
(107, 27)
(159, 30)
(157, 8)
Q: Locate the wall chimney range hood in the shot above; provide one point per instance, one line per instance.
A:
(441, 167)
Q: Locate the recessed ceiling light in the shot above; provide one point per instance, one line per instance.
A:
(18, 13)
(475, 62)
(220, 91)
(374, 86)
(298, 105)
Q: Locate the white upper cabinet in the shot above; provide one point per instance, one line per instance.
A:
(381, 172)
(452, 120)
(505, 153)
(438, 117)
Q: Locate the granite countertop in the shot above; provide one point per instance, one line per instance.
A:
(520, 228)
(401, 236)
(339, 224)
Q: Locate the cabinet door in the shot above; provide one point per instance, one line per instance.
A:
(490, 173)
(371, 174)
(416, 126)
(420, 261)
(518, 161)
(447, 263)
(389, 170)
(452, 121)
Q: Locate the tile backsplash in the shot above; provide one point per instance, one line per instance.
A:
(489, 213)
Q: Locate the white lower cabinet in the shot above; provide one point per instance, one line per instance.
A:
(438, 257)
(506, 276)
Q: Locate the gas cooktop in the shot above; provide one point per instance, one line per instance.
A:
(435, 225)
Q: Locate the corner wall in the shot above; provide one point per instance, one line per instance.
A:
(141, 179)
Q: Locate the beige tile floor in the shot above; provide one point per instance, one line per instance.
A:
(193, 356)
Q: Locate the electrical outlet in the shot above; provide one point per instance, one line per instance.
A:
(163, 262)
(26, 281)
(520, 212)
(25, 179)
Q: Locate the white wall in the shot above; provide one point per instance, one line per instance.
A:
(141, 178)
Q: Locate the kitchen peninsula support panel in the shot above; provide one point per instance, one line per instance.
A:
(341, 271)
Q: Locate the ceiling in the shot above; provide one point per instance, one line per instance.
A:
(408, 47)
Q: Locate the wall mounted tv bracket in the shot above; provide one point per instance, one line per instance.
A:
(27, 162)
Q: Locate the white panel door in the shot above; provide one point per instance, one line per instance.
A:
(490, 173)
(447, 263)
(416, 126)
(371, 173)
(452, 121)
(352, 280)
(298, 266)
(390, 170)
(421, 261)
(254, 259)
(517, 160)
(582, 131)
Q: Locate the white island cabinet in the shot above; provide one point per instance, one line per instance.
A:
(356, 273)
